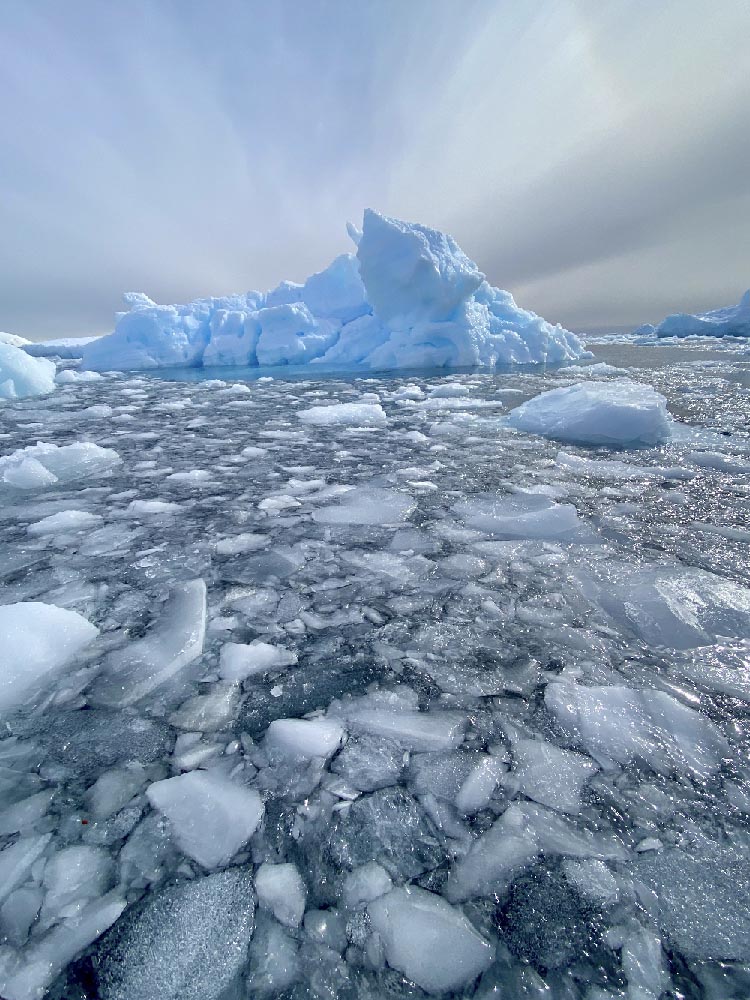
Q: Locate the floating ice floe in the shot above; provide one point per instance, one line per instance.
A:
(41, 465)
(409, 297)
(523, 515)
(618, 414)
(428, 940)
(731, 321)
(210, 816)
(22, 376)
(37, 640)
(354, 414)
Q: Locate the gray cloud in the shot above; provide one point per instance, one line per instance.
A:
(189, 149)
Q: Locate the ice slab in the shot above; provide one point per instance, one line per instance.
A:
(419, 731)
(678, 607)
(304, 738)
(210, 816)
(368, 505)
(523, 515)
(619, 724)
(64, 521)
(172, 644)
(281, 890)
(237, 661)
(514, 841)
(549, 775)
(348, 414)
(43, 465)
(22, 376)
(429, 940)
(185, 942)
(37, 641)
(619, 414)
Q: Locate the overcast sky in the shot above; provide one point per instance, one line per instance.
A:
(593, 156)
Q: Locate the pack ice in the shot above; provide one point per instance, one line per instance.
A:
(730, 321)
(409, 297)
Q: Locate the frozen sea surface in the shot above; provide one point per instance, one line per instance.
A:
(393, 702)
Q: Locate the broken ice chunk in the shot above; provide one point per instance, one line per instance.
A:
(37, 640)
(73, 875)
(211, 817)
(113, 789)
(523, 515)
(353, 414)
(42, 465)
(64, 521)
(208, 712)
(16, 861)
(548, 775)
(281, 890)
(304, 738)
(172, 643)
(620, 413)
(365, 884)
(428, 940)
(478, 787)
(621, 724)
(514, 841)
(238, 661)
(368, 763)
(420, 731)
(368, 505)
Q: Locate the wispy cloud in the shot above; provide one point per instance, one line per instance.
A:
(188, 148)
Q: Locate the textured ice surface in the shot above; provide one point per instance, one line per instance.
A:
(37, 640)
(522, 721)
(22, 376)
(184, 942)
(63, 347)
(621, 413)
(409, 297)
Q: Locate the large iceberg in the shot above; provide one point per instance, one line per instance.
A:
(410, 297)
(731, 321)
(22, 376)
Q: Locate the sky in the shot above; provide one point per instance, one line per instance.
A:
(591, 155)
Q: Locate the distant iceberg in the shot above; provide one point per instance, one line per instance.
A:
(731, 321)
(409, 297)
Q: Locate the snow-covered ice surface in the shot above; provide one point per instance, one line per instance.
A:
(409, 297)
(393, 701)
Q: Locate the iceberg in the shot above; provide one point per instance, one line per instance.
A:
(409, 297)
(22, 376)
(731, 321)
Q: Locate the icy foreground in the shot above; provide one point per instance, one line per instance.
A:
(409, 298)
(364, 688)
(731, 321)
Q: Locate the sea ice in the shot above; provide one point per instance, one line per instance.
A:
(548, 775)
(620, 724)
(428, 940)
(37, 640)
(522, 515)
(43, 465)
(304, 738)
(368, 505)
(22, 376)
(173, 643)
(210, 816)
(64, 521)
(618, 414)
(353, 414)
(281, 890)
(238, 661)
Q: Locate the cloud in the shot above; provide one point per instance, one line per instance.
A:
(185, 149)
